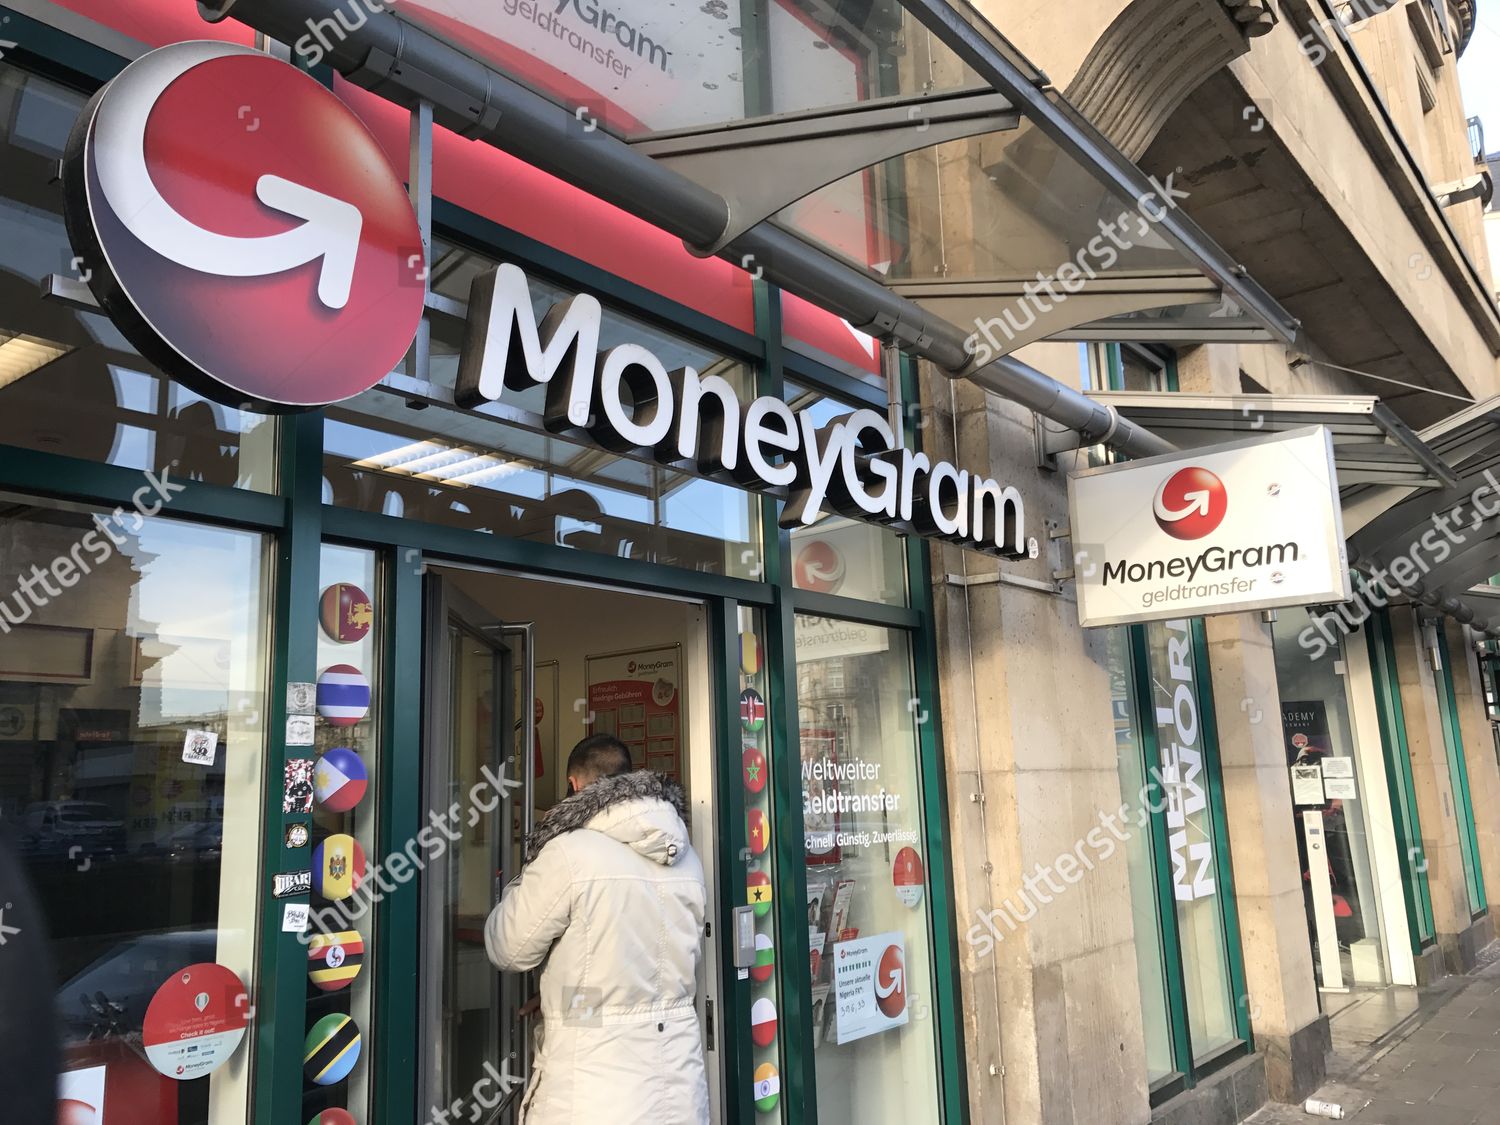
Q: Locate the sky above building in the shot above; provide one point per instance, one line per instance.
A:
(1479, 71)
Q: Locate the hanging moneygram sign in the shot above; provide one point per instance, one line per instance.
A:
(1247, 525)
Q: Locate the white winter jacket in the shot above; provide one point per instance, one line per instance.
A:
(613, 902)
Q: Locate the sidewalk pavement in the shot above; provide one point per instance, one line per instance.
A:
(1440, 1065)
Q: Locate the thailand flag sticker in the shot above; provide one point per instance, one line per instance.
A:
(763, 1022)
(343, 695)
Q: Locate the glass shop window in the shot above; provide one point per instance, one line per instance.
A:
(69, 381)
(132, 684)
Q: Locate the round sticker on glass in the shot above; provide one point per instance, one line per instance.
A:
(331, 1049)
(346, 612)
(754, 765)
(195, 1021)
(752, 710)
(909, 876)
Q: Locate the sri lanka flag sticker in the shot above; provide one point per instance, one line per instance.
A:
(333, 960)
(346, 612)
(343, 695)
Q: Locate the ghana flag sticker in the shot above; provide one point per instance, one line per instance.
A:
(331, 1049)
(765, 959)
(340, 779)
(752, 710)
(333, 960)
(333, 1117)
(346, 612)
(338, 867)
(343, 695)
(758, 892)
(767, 1087)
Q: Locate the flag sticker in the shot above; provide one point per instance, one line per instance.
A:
(758, 892)
(343, 695)
(331, 1049)
(758, 831)
(346, 612)
(763, 1022)
(752, 710)
(765, 959)
(340, 779)
(749, 654)
(338, 867)
(754, 764)
(767, 1087)
(334, 960)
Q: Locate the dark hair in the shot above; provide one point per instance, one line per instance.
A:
(598, 755)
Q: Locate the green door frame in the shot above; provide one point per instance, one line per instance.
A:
(1458, 771)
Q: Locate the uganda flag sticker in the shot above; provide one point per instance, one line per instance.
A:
(338, 867)
(346, 612)
(752, 710)
(333, 960)
(765, 959)
(758, 892)
(767, 1087)
(343, 695)
(763, 1022)
(340, 779)
(333, 1117)
(331, 1049)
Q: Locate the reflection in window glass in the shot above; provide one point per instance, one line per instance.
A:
(69, 382)
(510, 477)
(838, 555)
(868, 905)
(132, 681)
(1177, 703)
(1150, 951)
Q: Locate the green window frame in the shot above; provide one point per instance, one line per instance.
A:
(1408, 822)
(1458, 773)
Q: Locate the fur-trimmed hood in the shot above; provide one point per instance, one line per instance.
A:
(642, 810)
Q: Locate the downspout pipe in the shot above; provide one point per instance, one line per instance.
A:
(375, 48)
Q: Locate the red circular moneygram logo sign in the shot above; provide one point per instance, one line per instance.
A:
(243, 228)
(1190, 504)
(890, 982)
(819, 567)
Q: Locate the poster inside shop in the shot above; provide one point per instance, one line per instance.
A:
(637, 697)
(869, 986)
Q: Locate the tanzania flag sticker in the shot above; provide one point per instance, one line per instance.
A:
(333, 1117)
(338, 867)
(767, 1087)
(331, 1049)
(758, 892)
(333, 960)
(765, 959)
(343, 695)
(758, 830)
(340, 780)
(346, 612)
(752, 710)
(763, 1022)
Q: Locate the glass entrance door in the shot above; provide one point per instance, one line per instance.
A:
(478, 801)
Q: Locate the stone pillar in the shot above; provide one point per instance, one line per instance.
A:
(1433, 784)
(1281, 989)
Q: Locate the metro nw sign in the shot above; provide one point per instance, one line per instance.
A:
(247, 234)
(243, 228)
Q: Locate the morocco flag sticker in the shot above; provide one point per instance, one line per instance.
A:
(763, 1022)
(754, 763)
(765, 959)
(333, 960)
(767, 1087)
(758, 892)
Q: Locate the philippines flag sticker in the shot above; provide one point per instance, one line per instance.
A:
(343, 695)
(767, 1087)
(340, 779)
(763, 1022)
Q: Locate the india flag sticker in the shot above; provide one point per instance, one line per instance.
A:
(767, 1087)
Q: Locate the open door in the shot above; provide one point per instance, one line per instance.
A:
(473, 1036)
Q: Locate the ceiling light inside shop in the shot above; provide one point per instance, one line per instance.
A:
(21, 355)
(457, 466)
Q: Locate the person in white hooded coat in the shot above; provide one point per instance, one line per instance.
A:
(612, 902)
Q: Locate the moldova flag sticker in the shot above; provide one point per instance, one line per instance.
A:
(343, 695)
(338, 867)
(333, 960)
(340, 779)
(767, 1087)
(331, 1049)
(758, 892)
(752, 710)
(346, 612)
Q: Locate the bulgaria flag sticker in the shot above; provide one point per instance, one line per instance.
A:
(758, 892)
(763, 1022)
(343, 695)
(765, 959)
(767, 1087)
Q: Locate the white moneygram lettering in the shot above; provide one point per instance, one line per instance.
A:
(626, 401)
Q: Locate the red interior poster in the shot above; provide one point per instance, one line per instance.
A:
(637, 697)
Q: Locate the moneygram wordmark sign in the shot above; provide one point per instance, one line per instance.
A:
(1246, 525)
